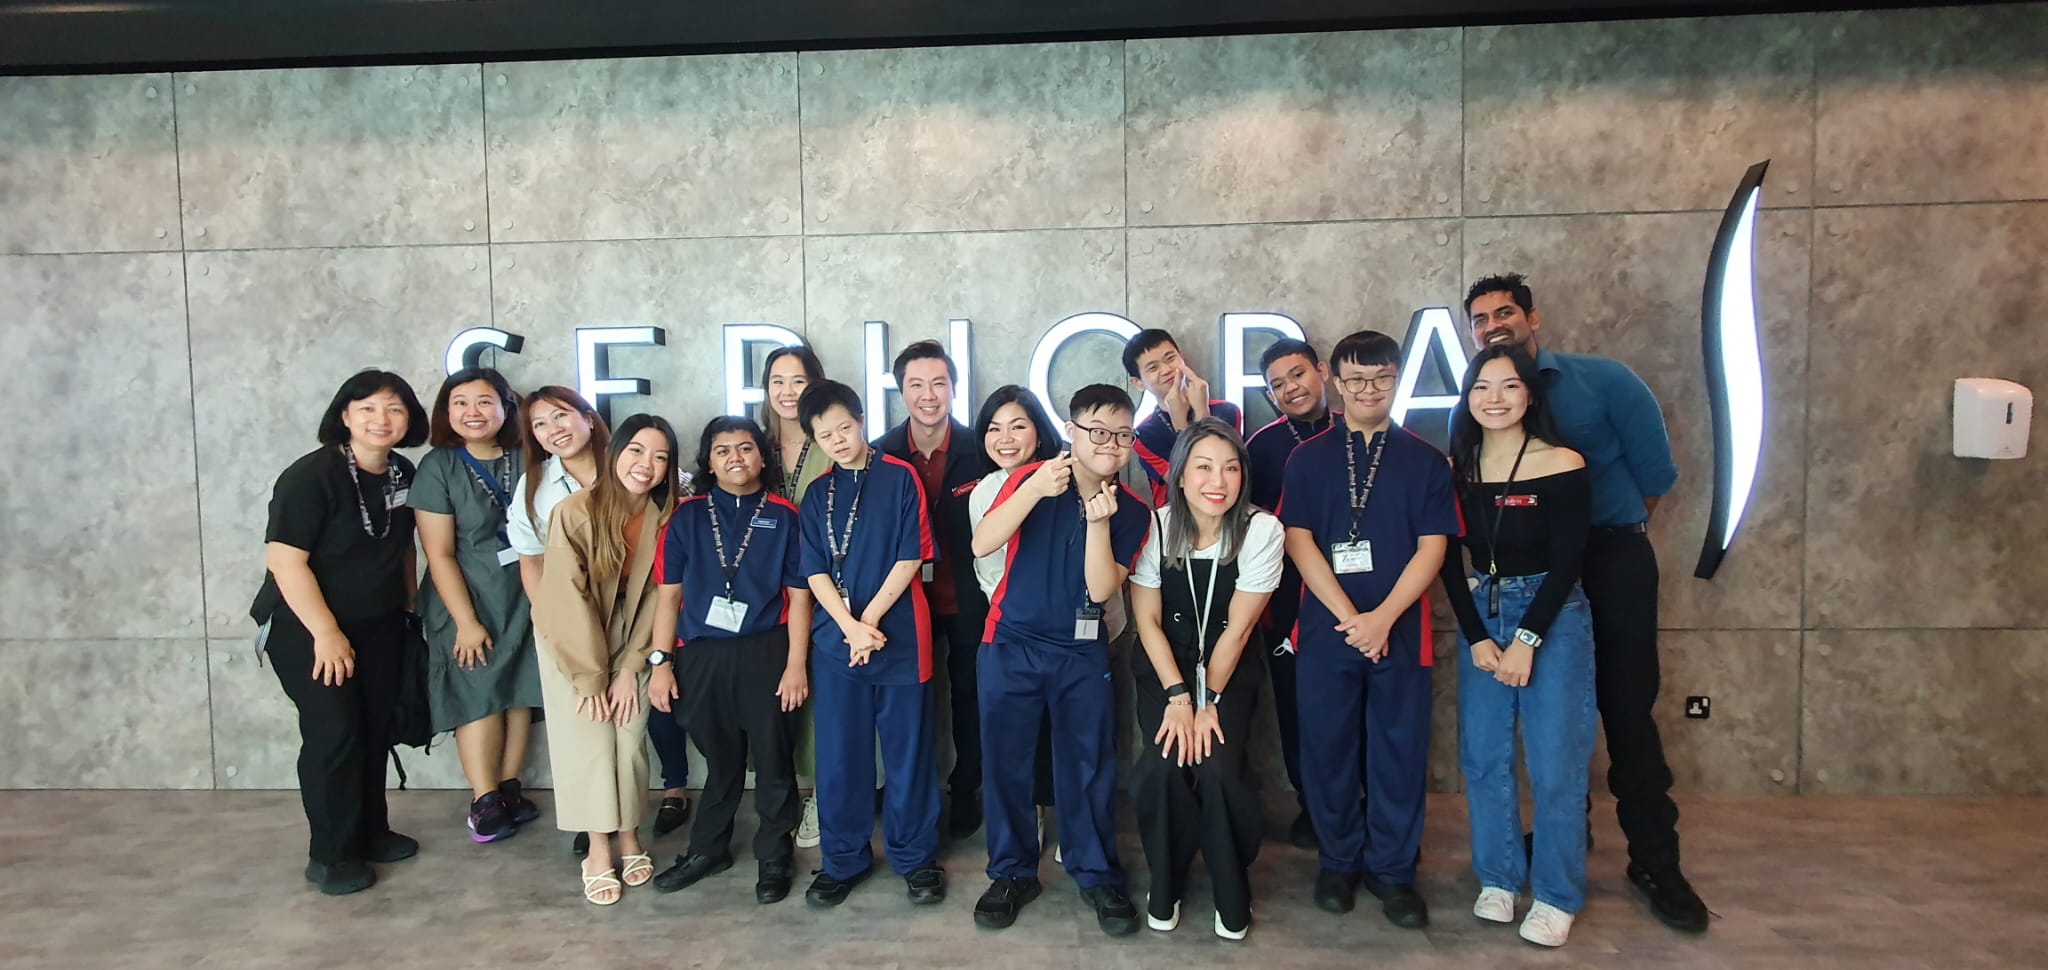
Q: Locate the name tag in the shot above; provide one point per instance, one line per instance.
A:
(725, 614)
(763, 522)
(927, 572)
(1515, 502)
(1351, 557)
(507, 556)
(396, 500)
(1201, 686)
(1088, 623)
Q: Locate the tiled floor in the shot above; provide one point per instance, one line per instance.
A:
(211, 879)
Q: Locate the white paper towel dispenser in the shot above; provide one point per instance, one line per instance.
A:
(1992, 418)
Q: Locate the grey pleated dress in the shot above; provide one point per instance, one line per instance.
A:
(509, 678)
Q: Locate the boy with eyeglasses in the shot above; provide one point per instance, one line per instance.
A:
(1367, 506)
(1072, 535)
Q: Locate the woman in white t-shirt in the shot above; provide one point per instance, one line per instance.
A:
(1196, 597)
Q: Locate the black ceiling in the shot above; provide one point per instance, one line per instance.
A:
(76, 36)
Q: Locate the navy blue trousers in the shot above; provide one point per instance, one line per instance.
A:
(1340, 691)
(1021, 683)
(849, 713)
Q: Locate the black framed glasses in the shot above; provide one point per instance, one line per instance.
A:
(1103, 436)
(1357, 385)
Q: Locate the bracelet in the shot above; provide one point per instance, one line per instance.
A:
(1179, 700)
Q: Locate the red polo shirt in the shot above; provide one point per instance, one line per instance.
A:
(931, 469)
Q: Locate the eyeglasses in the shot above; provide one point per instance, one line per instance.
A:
(1103, 436)
(1357, 385)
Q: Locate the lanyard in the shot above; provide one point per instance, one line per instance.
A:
(1500, 507)
(1202, 603)
(834, 541)
(1372, 471)
(793, 479)
(732, 569)
(1313, 430)
(490, 478)
(396, 482)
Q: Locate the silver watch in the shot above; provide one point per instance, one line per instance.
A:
(1529, 637)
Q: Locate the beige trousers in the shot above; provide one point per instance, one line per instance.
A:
(600, 770)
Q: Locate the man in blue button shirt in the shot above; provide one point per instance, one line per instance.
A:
(1609, 415)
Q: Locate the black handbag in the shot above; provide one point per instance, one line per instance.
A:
(412, 722)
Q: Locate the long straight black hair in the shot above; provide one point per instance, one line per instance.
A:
(1466, 434)
(814, 374)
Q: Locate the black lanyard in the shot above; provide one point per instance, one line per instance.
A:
(1500, 507)
(834, 541)
(1372, 471)
(1312, 429)
(391, 487)
(494, 483)
(732, 569)
(794, 478)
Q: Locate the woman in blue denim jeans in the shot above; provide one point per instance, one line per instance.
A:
(1528, 642)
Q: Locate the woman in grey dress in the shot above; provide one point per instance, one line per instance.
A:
(482, 682)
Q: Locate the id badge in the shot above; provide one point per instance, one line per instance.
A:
(396, 500)
(1088, 623)
(846, 598)
(507, 556)
(1351, 557)
(726, 614)
(1201, 686)
(926, 575)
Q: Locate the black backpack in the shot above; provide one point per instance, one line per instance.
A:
(412, 723)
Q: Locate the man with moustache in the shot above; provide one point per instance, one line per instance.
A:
(1609, 415)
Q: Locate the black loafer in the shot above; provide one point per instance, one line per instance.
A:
(1302, 834)
(1336, 892)
(826, 891)
(340, 878)
(998, 907)
(1404, 906)
(671, 816)
(391, 847)
(926, 884)
(1671, 898)
(689, 869)
(965, 815)
(771, 884)
(1114, 911)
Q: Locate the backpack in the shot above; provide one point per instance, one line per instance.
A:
(412, 722)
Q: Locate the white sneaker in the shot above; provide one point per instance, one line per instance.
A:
(807, 830)
(1546, 925)
(1163, 925)
(1495, 905)
(1058, 858)
(1227, 933)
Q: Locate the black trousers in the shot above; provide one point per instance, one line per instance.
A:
(343, 731)
(1620, 581)
(961, 695)
(1208, 808)
(729, 707)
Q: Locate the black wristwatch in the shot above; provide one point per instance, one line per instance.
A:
(1214, 697)
(657, 658)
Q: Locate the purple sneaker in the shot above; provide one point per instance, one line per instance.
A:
(488, 819)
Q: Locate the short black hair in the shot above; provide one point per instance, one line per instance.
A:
(1048, 436)
(1097, 396)
(1143, 344)
(819, 398)
(1287, 347)
(441, 432)
(1513, 284)
(771, 469)
(362, 384)
(1366, 348)
(924, 350)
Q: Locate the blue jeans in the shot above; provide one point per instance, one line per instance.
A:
(1558, 719)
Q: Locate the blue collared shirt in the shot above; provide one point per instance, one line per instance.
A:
(1608, 414)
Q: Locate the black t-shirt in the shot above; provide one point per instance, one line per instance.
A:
(1543, 526)
(315, 507)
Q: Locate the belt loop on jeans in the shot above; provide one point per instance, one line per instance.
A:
(1632, 529)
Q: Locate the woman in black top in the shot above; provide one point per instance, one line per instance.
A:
(1526, 502)
(339, 550)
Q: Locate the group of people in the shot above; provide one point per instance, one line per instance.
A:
(782, 605)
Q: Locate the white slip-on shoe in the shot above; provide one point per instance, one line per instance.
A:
(807, 830)
(1494, 905)
(1162, 925)
(1546, 925)
(1229, 934)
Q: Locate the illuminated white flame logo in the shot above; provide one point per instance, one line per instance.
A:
(1735, 368)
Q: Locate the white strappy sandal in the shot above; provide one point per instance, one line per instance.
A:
(637, 863)
(608, 879)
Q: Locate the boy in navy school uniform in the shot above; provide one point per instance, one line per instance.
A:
(1072, 534)
(1155, 364)
(1368, 506)
(865, 538)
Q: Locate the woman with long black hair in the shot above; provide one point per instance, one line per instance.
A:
(1527, 640)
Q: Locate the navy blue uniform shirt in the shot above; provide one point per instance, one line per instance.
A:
(765, 572)
(889, 527)
(1045, 576)
(1412, 497)
(1269, 449)
(1156, 436)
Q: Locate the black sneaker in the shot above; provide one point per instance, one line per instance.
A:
(1402, 904)
(390, 847)
(1114, 911)
(522, 808)
(1336, 892)
(926, 884)
(826, 891)
(689, 869)
(1302, 834)
(1671, 898)
(488, 819)
(580, 845)
(998, 907)
(340, 878)
(673, 813)
(772, 881)
(965, 816)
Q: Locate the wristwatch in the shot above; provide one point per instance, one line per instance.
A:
(1528, 637)
(1214, 697)
(657, 658)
